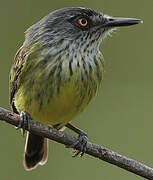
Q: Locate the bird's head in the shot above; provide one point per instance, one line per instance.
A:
(75, 24)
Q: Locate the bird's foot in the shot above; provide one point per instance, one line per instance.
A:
(82, 142)
(24, 122)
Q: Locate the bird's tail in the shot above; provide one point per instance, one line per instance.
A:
(36, 151)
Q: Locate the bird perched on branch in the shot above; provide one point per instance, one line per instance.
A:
(58, 71)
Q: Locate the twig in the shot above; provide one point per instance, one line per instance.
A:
(92, 149)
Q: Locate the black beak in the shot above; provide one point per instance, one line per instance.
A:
(117, 22)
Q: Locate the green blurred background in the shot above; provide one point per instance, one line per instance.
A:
(121, 118)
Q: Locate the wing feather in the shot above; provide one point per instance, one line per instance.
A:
(14, 75)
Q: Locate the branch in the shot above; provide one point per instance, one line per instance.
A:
(94, 150)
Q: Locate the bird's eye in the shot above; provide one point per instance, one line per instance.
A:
(83, 22)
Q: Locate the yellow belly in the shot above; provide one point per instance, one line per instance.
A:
(52, 100)
(59, 108)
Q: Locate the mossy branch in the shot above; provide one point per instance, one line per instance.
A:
(94, 150)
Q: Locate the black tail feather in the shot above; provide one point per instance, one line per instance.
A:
(35, 151)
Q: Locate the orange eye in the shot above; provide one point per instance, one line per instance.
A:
(83, 22)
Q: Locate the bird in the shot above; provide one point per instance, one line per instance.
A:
(58, 71)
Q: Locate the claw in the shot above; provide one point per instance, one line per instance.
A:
(24, 122)
(82, 141)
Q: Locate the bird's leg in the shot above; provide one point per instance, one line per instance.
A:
(82, 140)
(24, 122)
